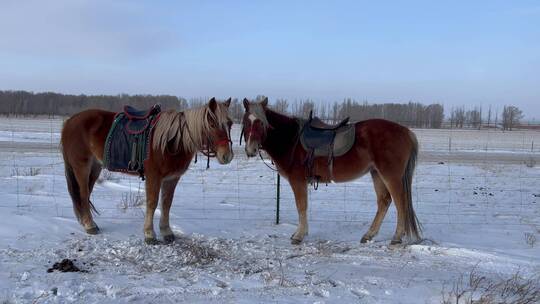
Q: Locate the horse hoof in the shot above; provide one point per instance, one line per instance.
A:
(365, 240)
(93, 230)
(395, 242)
(168, 239)
(295, 241)
(151, 241)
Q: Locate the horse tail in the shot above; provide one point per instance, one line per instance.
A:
(412, 225)
(73, 187)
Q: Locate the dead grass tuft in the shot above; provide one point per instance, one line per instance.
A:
(29, 171)
(131, 200)
(530, 239)
(477, 289)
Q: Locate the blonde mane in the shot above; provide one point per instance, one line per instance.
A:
(187, 131)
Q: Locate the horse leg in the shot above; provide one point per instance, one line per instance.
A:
(300, 195)
(395, 187)
(167, 194)
(82, 172)
(153, 184)
(383, 201)
(94, 174)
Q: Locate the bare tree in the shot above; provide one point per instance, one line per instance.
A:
(473, 117)
(489, 116)
(511, 116)
(457, 117)
(307, 107)
(282, 105)
(335, 111)
(435, 117)
(236, 109)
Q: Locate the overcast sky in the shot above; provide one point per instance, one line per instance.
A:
(456, 53)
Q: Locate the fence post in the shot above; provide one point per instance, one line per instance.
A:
(277, 198)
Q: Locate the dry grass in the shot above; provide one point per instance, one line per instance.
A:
(196, 253)
(531, 162)
(131, 200)
(105, 175)
(28, 171)
(530, 239)
(477, 289)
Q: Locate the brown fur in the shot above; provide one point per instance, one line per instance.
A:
(386, 149)
(82, 142)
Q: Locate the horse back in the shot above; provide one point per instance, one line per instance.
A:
(387, 143)
(85, 132)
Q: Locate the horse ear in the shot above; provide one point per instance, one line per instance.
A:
(246, 104)
(212, 104)
(264, 102)
(228, 102)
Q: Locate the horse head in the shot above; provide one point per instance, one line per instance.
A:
(255, 125)
(219, 141)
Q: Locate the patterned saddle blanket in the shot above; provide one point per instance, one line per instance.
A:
(127, 144)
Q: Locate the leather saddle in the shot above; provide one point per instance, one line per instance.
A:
(139, 120)
(317, 123)
(135, 114)
(320, 139)
(127, 144)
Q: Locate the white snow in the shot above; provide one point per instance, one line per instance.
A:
(474, 214)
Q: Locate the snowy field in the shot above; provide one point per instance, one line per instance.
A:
(477, 194)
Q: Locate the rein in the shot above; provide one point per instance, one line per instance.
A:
(241, 135)
(273, 169)
(260, 155)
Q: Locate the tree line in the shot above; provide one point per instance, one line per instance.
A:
(412, 114)
(474, 118)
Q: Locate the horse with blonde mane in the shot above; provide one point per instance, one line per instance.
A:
(175, 139)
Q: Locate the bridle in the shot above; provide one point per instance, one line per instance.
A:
(249, 130)
(209, 149)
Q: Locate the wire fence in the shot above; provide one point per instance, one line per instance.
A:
(464, 177)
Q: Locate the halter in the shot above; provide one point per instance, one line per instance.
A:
(207, 150)
(259, 149)
(211, 152)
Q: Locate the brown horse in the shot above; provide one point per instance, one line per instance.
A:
(176, 138)
(385, 149)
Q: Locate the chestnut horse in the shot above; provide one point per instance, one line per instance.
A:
(176, 138)
(385, 149)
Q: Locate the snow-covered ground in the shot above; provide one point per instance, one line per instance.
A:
(477, 211)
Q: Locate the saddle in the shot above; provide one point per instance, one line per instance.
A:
(126, 146)
(135, 114)
(317, 123)
(320, 139)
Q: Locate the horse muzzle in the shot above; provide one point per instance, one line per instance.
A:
(251, 150)
(224, 155)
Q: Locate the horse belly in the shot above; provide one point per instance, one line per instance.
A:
(344, 168)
